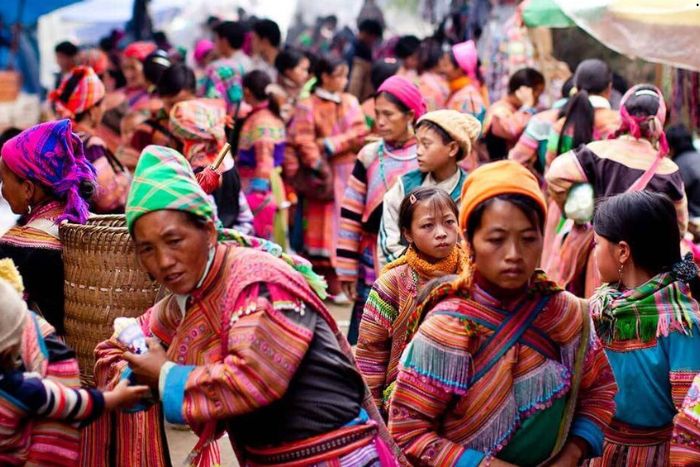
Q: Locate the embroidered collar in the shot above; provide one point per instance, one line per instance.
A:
(599, 102)
(329, 96)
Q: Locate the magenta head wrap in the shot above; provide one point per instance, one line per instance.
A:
(406, 92)
(649, 127)
(53, 156)
(466, 57)
(201, 49)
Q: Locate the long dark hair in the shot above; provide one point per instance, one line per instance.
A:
(326, 65)
(592, 77)
(648, 223)
(256, 82)
(175, 79)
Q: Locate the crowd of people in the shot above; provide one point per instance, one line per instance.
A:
(522, 276)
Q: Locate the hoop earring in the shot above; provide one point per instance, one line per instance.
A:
(29, 209)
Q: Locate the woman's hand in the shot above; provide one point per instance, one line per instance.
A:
(569, 456)
(124, 395)
(493, 462)
(147, 367)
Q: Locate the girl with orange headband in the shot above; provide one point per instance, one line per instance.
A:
(504, 369)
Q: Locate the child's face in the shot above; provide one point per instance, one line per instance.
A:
(434, 231)
(432, 153)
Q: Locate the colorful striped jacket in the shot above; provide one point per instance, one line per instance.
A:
(447, 411)
(36, 408)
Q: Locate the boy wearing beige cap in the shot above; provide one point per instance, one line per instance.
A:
(445, 137)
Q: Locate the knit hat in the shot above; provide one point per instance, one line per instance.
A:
(498, 178)
(406, 92)
(79, 92)
(466, 57)
(463, 128)
(13, 312)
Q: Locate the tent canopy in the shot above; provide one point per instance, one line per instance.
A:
(657, 31)
(28, 11)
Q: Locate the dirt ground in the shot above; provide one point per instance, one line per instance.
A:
(181, 442)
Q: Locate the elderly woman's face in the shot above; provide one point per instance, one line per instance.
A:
(172, 249)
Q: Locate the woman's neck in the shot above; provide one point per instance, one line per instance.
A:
(635, 277)
(401, 140)
(497, 291)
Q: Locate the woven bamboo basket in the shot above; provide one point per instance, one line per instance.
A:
(102, 281)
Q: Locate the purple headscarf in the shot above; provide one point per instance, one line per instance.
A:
(52, 155)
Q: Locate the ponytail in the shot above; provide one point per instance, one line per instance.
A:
(579, 117)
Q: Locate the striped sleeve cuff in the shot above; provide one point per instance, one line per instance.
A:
(173, 395)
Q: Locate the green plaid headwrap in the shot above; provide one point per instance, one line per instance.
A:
(164, 180)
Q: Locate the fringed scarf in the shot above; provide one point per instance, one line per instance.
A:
(452, 264)
(656, 308)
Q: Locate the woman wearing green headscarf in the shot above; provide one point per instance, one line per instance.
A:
(242, 343)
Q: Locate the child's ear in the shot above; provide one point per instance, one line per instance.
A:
(407, 236)
(454, 149)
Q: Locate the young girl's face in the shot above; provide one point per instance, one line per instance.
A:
(336, 81)
(507, 246)
(432, 153)
(606, 262)
(434, 231)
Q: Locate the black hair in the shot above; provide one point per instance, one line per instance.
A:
(679, 139)
(327, 65)
(438, 198)
(161, 39)
(592, 76)
(643, 104)
(406, 46)
(268, 29)
(66, 48)
(371, 27)
(154, 65)
(195, 220)
(648, 223)
(527, 206)
(175, 79)
(444, 136)
(525, 77)
(288, 59)
(118, 76)
(8, 134)
(233, 32)
(429, 55)
(382, 70)
(619, 83)
(403, 108)
(256, 82)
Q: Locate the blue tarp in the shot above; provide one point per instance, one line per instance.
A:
(30, 9)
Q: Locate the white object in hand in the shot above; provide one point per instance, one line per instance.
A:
(130, 334)
(580, 203)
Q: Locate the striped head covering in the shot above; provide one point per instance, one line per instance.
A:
(95, 59)
(199, 123)
(139, 50)
(163, 179)
(52, 155)
(638, 123)
(79, 92)
(222, 81)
